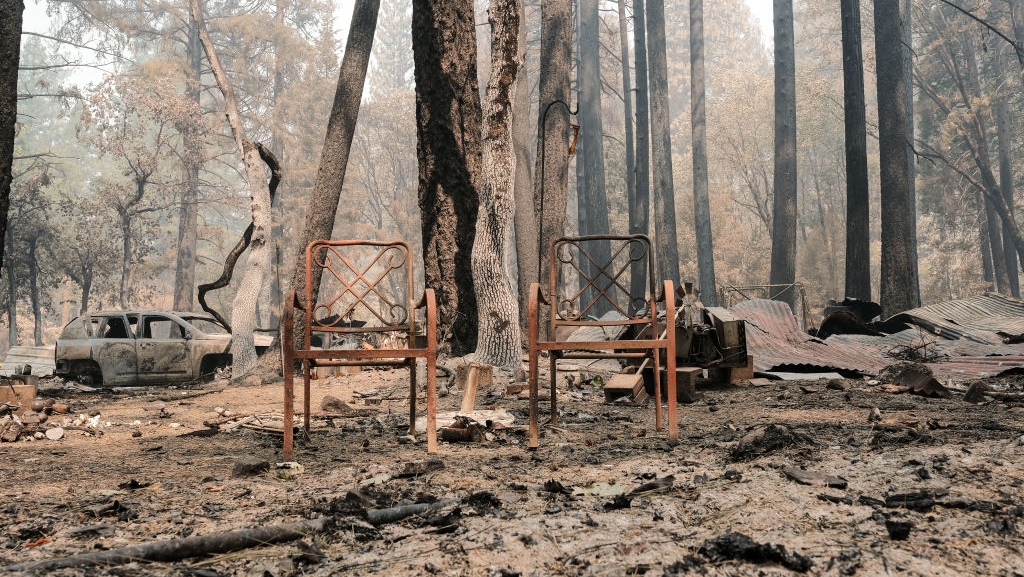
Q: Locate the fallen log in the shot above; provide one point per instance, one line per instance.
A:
(378, 517)
(178, 549)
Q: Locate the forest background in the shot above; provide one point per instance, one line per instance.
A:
(127, 190)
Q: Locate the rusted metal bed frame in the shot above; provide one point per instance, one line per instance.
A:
(604, 286)
(370, 275)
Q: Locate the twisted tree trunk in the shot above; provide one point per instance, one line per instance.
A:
(498, 334)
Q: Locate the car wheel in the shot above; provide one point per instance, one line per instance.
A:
(87, 373)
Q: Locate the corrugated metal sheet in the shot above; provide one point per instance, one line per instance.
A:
(41, 359)
(975, 319)
(776, 342)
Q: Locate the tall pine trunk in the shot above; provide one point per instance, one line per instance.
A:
(1004, 141)
(448, 120)
(666, 238)
(783, 263)
(526, 230)
(639, 206)
(499, 340)
(341, 126)
(858, 229)
(994, 230)
(11, 12)
(908, 105)
(188, 211)
(552, 173)
(701, 204)
(636, 289)
(592, 205)
(896, 292)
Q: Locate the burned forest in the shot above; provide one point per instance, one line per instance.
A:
(511, 288)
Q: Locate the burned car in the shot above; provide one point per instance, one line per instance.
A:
(122, 348)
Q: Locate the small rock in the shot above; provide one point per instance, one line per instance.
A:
(875, 415)
(248, 467)
(55, 433)
(136, 433)
(39, 435)
(289, 470)
(175, 425)
(898, 530)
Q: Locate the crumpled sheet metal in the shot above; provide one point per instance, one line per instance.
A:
(978, 318)
(776, 342)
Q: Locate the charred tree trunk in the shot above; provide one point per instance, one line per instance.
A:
(993, 229)
(665, 234)
(639, 206)
(341, 126)
(188, 212)
(12, 295)
(637, 272)
(701, 203)
(897, 292)
(526, 229)
(126, 211)
(1004, 141)
(908, 105)
(448, 120)
(499, 340)
(858, 237)
(592, 206)
(11, 12)
(33, 286)
(551, 187)
(783, 263)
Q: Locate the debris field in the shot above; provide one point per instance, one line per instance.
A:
(829, 477)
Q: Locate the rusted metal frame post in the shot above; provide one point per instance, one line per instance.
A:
(670, 355)
(307, 371)
(431, 304)
(287, 368)
(657, 368)
(533, 329)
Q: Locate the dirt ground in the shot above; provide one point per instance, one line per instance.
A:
(933, 488)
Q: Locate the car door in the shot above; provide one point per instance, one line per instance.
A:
(163, 350)
(113, 349)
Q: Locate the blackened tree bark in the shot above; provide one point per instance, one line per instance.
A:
(11, 12)
(908, 104)
(192, 159)
(592, 205)
(666, 238)
(896, 292)
(552, 182)
(783, 263)
(858, 238)
(639, 205)
(526, 229)
(341, 126)
(994, 230)
(448, 123)
(636, 289)
(701, 204)
(33, 292)
(1004, 141)
(499, 340)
